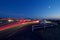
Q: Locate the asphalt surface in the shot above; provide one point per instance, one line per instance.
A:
(24, 33)
(49, 33)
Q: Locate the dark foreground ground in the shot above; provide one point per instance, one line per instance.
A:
(49, 33)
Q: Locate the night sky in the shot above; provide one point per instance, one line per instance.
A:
(30, 8)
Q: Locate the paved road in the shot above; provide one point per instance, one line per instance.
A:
(25, 33)
(18, 33)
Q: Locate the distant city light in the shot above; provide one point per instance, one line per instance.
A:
(37, 21)
(10, 20)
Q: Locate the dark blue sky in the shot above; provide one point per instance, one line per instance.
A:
(30, 8)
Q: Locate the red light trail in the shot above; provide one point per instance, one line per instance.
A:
(15, 24)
